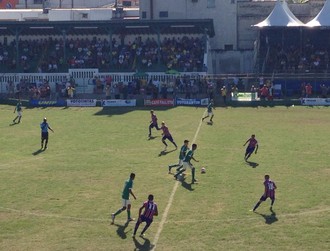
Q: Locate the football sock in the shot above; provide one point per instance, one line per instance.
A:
(256, 206)
(193, 174)
(128, 214)
(118, 212)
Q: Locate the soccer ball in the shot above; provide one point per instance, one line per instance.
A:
(203, 170)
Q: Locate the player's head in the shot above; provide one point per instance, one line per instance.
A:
(150, 197)
(132, 176)
(152, 111)
(266, 177)
(186, 142)
(45, 119)
(163, 123)
(253, 136)
(194, 146)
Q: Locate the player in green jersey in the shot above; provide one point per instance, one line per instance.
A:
(210, 107)
(187, 164)
(183, 151)
(125, 199)
(18, 109)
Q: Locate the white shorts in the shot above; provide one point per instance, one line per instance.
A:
(126, 202)
(19, 113)
(210, 113)
(187, 165)
(180, 162)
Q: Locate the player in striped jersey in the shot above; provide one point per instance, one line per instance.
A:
(269, 192)
(150, 210)
(167, 135)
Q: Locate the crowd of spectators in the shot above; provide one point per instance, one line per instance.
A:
(310, 58)
(47, 55)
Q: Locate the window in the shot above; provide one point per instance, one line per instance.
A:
(194, 1)
(84, 15)
(163, 14)
(229, 47)
(144, 14)
(210, 3)
(37, 1)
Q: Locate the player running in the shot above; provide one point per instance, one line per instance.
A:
(210, 107)
(167, 135)
(183, 151)
(18, 109)
(125, 199)
(153, 122)
(269, 192)
(150, 210)
(187, 164)
(253, 144)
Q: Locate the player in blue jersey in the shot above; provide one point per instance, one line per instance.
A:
(44, 133)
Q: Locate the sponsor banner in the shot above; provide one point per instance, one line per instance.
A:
(159, 102)
(244, 96)
(119, 102)
(81, 102)
(47, 103)
(316, 101)
(194, 102)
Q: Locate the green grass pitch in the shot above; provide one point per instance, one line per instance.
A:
(62, 198)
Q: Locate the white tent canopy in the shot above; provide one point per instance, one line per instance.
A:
(281, 16)
(323, 18)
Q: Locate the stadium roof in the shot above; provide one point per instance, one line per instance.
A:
(33, 27)
(323, 18)
(281, 16)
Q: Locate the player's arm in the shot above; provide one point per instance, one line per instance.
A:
(140, 210)
(257, 147)
(246, 142)
(15, 109)
(194, 159)
(156, 211)
(131, 192)
(50, 128)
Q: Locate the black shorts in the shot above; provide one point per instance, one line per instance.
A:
(44, 135)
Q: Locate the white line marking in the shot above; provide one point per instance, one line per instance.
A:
(170, 200)
(253, 216)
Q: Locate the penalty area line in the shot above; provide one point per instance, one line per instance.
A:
(170, 200)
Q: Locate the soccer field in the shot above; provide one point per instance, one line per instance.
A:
(62, 198)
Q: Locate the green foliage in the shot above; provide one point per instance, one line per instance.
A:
(62, 198)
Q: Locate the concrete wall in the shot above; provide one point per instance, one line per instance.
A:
(223, 13)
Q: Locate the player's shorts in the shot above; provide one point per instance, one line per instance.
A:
(180, 162)
(250, 149)
(210, 113)
(187, 165)
(167, 137)
(19, 113)
(125, 203)
(263, 197)
(152, 125)
(44, 135)
(145, 219)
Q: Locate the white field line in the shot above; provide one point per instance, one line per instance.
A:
(253, 216)
(170, 200)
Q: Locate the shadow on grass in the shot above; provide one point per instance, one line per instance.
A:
(152, 137)
(37, 152)
(163, 153)
(269, 218)
(110, 111)
(186, 185)
(145, 246)
(14, 123)
(252, 164)
(121, 230)
(210, 123)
